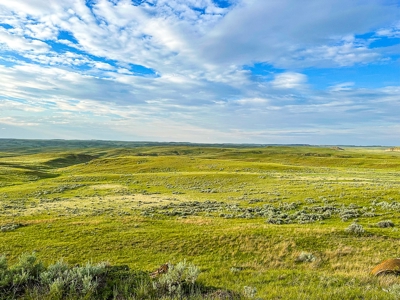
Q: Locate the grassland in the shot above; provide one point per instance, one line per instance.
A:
(267, 218)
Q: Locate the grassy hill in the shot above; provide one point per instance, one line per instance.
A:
(271, 219)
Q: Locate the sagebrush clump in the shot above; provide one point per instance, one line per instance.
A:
(179, 280)
(30, 279)
(305, 257)
(355, 229)
(58, 280)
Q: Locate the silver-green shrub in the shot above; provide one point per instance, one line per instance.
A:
(249, 291)
(355, 228)
(26, 270)
(60, 279)
(179, 279)
(9, 227)
(5, 276)
(306, 257)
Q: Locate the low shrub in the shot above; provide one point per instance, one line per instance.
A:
(180, 280)
(249, 292)
(385, 224)
(355, 229)
(30, 279)
(305, 257)
(10, 227)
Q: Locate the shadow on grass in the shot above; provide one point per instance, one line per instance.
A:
(29, 171)
(69, 160)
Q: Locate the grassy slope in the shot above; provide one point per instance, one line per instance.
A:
(88, 203)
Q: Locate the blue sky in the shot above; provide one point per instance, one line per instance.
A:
(240, 71)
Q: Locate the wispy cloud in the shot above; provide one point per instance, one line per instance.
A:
(177, 70)
(16, 122)
(289, 80)
(392, 31)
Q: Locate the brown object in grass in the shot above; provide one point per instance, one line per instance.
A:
(161, 270)
(389, 266)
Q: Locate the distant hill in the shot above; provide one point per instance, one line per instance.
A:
(33, 145)
(73, 144)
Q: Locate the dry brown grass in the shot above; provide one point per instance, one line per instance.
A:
(389, 266)
(339, 252)
(108, 186)
(196, 221)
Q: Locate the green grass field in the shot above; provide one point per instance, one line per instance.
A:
(271, 219)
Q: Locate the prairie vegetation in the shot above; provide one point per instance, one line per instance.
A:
(273, 222)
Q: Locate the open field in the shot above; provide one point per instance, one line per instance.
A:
(271, 219)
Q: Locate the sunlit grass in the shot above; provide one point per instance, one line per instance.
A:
(137, 207)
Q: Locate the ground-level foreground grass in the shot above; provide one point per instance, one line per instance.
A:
(30, 279)
(231, 254)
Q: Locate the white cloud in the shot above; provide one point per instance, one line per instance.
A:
(16, 122)
(348, 53)
(174, 33)
(198, 52)
(42, 31)
(392, 32)
(289, 80)
(345, 86)
(277, 31)
(253, 101)
(12, 42)
(103, 66)
(8, 105)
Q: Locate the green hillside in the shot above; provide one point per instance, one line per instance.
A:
(273, 222)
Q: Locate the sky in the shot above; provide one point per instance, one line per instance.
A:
(206, 71)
